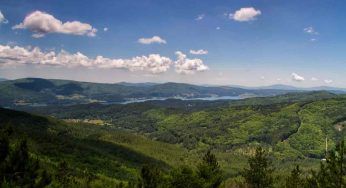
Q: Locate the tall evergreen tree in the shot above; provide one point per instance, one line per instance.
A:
(23, 171)
(259, 173)
(209, 171)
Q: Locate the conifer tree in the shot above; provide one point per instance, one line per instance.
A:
(259, 173)
(209, 171)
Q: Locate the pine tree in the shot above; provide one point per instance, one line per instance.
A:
(209, 171)
(23, 171)
(259, 175)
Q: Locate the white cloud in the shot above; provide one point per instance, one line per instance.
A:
(154, 39)
(313, 40)
(200, 17)
(41, 23)
(3, 20)
(297, 78)
(218, 28)
(105, 29)
(314, 79)
(328, 81)
(310, 30)
(153, 63)
(262, 77)
(245, 14)
(199, 52)
(184, 65)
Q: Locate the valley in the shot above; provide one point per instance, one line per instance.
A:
(173, 132)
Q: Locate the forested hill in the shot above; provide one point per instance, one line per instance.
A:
(103, 145)
(38, 92)
(87, 152)
(294, 124)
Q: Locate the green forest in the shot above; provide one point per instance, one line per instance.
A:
(257, 142)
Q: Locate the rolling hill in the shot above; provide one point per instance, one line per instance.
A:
(112, 142)
(112, 156)
(42, 92)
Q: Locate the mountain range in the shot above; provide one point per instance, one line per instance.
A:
(42, 92)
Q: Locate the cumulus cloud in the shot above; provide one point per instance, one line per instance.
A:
(42, 23)
(3, 20)
(245, 14)
(218, 28)
(310, 30)
(153, 63)
(105, 29)
(200, 17)
(297, 78)
(154, 39)
(183, 65)
(328, 81)
(199, 52)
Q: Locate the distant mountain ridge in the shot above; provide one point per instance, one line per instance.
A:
(288, 87)
(39, 91)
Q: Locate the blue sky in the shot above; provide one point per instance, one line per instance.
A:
(293, 42)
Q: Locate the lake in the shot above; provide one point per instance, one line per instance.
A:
(212, 98)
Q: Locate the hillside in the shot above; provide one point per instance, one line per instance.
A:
(293, 125)
(43, 92)
(113, 142)
(110, 155)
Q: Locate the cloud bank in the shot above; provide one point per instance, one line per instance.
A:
(245, 14)
(152, 63)
(154, 39)
(41, 23)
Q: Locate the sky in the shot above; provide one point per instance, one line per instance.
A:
(214, 42)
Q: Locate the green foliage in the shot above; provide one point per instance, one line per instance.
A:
(151, 177)
(295, 180)
(260, 172)
(17, 168)
(185, 177)
(173, 133)
(209, 171)
(332, 172)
